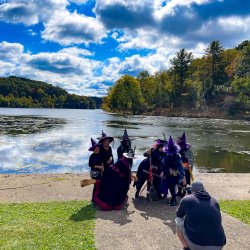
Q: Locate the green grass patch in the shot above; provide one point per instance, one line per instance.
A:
(50, 225)
(239, 209)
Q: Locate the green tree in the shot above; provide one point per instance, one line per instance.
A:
(125, 96)
(148, 88)
(241, 88)
(180, 68)
(216, 69)
(243, 69)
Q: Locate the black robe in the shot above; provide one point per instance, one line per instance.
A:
(111, 191)
(106, 154)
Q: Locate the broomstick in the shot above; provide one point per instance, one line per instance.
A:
(86, 182)
(164, 136)
(157, 175)
(150, 175)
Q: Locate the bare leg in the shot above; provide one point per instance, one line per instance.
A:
(181, 238)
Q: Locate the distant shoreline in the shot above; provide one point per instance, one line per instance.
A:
(208, 112)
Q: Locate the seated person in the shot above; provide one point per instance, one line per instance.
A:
(111, 190)
(172, 171)
(187, 162)
(106, 150)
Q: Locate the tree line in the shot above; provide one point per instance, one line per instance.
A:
(220, 78)
(25, 93)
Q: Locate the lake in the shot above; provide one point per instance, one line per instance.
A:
(57, 140)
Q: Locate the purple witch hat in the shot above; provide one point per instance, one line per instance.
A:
(94, 145)
(171, 148)
(182, 142)
(104, 137)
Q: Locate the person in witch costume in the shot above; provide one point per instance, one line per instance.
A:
(111, 190)
(173, 172)
(95, 163)
(154, 156)
(106, 150)
(125, 145)
(187, 162)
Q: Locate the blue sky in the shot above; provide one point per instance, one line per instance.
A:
(84, 46)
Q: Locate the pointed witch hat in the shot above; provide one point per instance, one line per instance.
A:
(182, 142)
(171, 148)
(104, 137)
(125, 135)
(94, 145)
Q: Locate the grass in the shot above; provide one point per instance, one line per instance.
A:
(239, 209)
(50, 225)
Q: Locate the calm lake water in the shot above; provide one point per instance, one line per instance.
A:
(57, 140)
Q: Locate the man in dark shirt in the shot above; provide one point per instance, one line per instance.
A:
(198, 221)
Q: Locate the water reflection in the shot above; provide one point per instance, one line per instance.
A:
(219, 160)
(15, 125)
(57, 141)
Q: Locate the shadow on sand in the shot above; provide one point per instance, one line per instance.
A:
(141, 206)
(157, 209)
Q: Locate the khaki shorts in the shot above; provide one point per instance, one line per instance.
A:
(180, 227)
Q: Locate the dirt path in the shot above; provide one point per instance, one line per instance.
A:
(142, 225)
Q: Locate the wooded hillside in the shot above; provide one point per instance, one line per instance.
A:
(26, 93)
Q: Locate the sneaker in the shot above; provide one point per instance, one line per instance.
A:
(179, 193)
(173, 203)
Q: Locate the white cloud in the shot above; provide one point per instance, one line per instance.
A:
(80, 2)
(10, 51)
(18, 13)
(61, 26)
(148, 39)
(7, 69)
(30, 12)
(234, 24)
(72, 28)
(170, 7)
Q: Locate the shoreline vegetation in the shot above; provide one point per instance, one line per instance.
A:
(217, 85)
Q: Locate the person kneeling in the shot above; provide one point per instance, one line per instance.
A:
(198, 221)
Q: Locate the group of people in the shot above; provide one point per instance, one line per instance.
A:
(167, 167)
(111, 180)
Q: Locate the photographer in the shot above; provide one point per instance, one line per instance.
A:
(198, 221)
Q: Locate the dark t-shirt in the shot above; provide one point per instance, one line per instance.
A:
(106, 154)
(95, 159)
